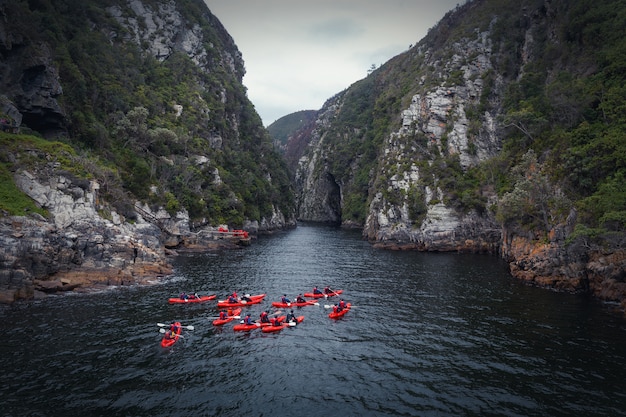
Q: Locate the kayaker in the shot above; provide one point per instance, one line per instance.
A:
(265, 318)
(174, 328)
(285, 300)
(328, 291)
(183, 296)
(342, 304)
(291, 317)
(232, 299)
(223, 315)
(248, 320)
(317, 290)
(275, 321)
(300, 299)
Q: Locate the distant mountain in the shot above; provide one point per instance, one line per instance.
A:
(290, 134)
(284, 127)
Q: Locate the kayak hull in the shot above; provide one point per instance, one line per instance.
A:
(340, 314)
(249, 327)
(168, 341)
(254, 299)
(271, 328)
(332, 294)
(280, 304)
(231, 317)
(201, 299)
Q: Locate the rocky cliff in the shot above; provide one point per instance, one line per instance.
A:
(418, 153)
(137, 142)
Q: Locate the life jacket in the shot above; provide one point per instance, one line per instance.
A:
(264, 317)
(342, 304)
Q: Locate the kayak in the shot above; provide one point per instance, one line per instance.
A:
(334, 315)
(168, 341)
(254, 299)
(192, 299)
(231, 317)
(280, 304)
(248, 327)
(332, 294)
(271, 328)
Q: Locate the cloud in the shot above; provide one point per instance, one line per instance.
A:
(300, 53)
(339, 29)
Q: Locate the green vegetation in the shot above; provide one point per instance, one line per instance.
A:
(559, 83)
(167, 131)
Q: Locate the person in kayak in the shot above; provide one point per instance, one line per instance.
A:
(291, 318)
(285, 300)
(183, 296)
(265, 318)
(174, 329)
(328, 291)
(337, 308)
(233, 299)
(248, 320)
(223, 315)
(342, 304)
(300, 299)
(275, 321)
(317, 290)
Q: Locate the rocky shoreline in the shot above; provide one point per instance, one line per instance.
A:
(75, 248)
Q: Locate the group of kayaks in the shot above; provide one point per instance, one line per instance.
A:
(232, 308)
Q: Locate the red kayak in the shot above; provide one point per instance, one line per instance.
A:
(192, 299)
(280, 304)
(168, 341)
(341, 313)
(232, 314)
(254, 299)
(330, 294)
(248, 327)
(272, 328)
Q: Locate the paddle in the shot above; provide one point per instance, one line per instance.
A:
(228, 317)
(330, 306)
(190, 327)
(329, 294)
(164, 331)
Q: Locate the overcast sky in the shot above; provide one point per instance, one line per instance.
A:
(298, 53)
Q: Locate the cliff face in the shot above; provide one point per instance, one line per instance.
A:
(163, 146)
(416, 153)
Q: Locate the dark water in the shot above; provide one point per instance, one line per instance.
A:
(430, 335)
